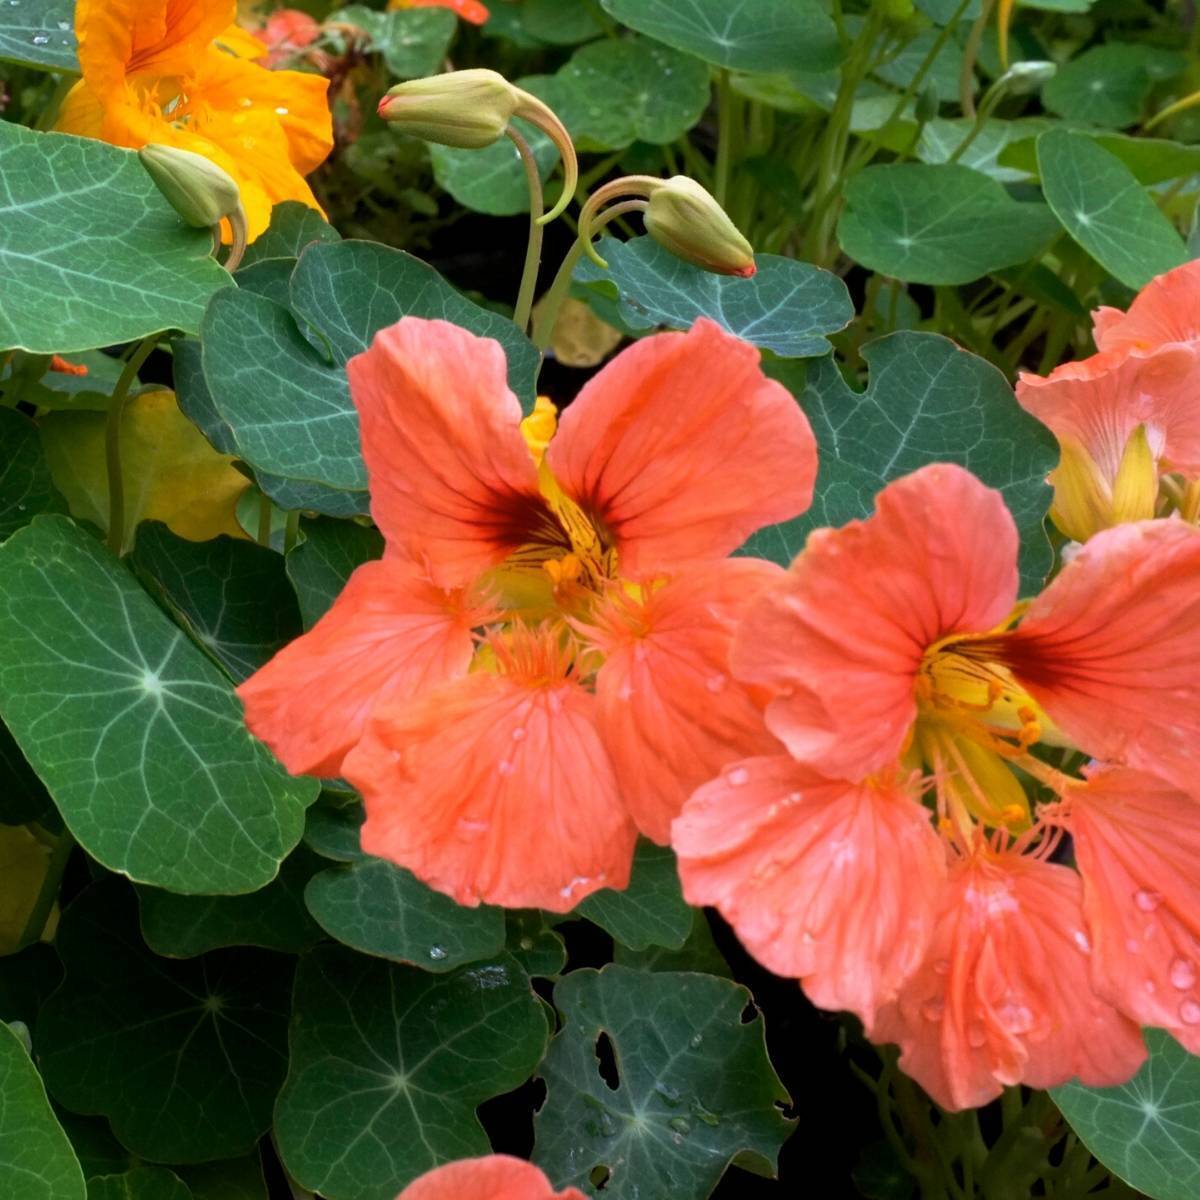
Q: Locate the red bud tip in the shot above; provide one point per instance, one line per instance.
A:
(747, 272)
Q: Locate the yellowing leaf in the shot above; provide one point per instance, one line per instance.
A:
(171, 473)
(582, 339)
(23, 862)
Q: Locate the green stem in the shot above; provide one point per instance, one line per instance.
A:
(966, 77)
(47, 894)
(533, 249)
(112, 444)
(291, 531)
(724, 138)
(560, 289)
(264, 521)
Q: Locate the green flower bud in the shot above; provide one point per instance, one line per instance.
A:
(682, 217)
(466, 109)
(196, 188)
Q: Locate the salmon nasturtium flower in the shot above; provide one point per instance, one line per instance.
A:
(469, 10)
(494, 1177)
(900, 661)
(538, 666)
(1126, 416)
(181, 73)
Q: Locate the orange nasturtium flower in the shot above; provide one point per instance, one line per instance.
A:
(180, 73)
(1128, 415)
(494, 1177)
(537, 667)
(897, 655)
(469, 10)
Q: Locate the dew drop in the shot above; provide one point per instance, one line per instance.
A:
(942, 966)
(738, 776)
(669, 1094)
(1149, 987)
(680, 1125)
(245, 102)
(281, 111)
(1183, 974)
(1146, 900)
(41, 39)
(716, 683)
(696, 1039)
(932, 1010)
(63, 26)
(518, 734)
(976, 1035)
(437, 953)
(472, 827)
(1189, 1012)
(1016, 1018)
(506, 766)
(1133, 946)
(1081, 940)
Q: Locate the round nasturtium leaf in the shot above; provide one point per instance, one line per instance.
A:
(184, 1058)
(689, 1087)
(1147, 1131)
(388, 1065)
(651, 911)
(36, 1160)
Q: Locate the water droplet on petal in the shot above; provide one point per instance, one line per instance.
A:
(1016, 1018)
(942, 966)
(1189, 1012)
(281, 111)
(932, 1010)
(716, 683)
(1147, 900)
(976, 1035)
(437, 953)
(518, 734)
(506, 766)
(1149, 987)
(1183, 974)
(1081, 940)
(738, 776)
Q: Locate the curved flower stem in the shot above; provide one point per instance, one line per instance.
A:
(35, 924)
(560, 289)
(724, 138)
(970, 54)
(112, 444)
(533, 250)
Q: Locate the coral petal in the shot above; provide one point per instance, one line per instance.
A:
(390, 633)
(451, 478)
(495, 1177)
(495, 790)
(670, 714)
(1003, 996)
(1137, 844)
(1110, 649)
(683, 448)
(1166, 310)
(842, 637)
(831, 882)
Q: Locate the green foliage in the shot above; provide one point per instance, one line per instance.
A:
(90, 253)
(142, 1183)
(651, 910)
(1146, 1130)
(693, 1088)
(183, 1058)
(412, 43)
(26, 488)
(36, 1160)
(171, 726)
(788, 307)
(40, 34)
(388, 1064)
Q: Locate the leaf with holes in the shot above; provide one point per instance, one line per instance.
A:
(938, 223)
(926, 401)
(1147, 1131)
(273, 918)
(693, 1087)
(388, 1065)
(320, 565)
(26, 488)
(136, 734)
(1103, 207)
(142, 1183)
(287, 404)
(90, 252)
(36, 1160)
(39, 33)
(184, 1058)
(384, 910)
(744, 35)
(788, 307)
(232, 595)
(651, 911)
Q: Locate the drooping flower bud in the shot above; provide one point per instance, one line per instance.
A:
(201, 192)
(469, 110)
(688, 221)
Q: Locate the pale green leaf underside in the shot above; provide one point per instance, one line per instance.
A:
(90, 253)
(137, 735)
